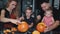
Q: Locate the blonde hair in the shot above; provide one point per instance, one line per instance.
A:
(15, 10)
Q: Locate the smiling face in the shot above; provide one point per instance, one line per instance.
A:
(12, 4)
(45, 6)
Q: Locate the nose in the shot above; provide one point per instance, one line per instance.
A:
(14, 6)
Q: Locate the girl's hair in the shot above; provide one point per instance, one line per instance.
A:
(15, 10)
(9, 1)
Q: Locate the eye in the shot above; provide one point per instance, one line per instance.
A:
(14, 4)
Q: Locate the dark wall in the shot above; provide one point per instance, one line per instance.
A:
(24, 3)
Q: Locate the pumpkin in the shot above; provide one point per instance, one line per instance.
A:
(41, 27)
(13, 29)
(23, 27)
(35, 32)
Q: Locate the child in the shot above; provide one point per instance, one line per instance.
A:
(48, 18)
(29, 19)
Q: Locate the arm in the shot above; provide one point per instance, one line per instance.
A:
(53, 26)
(3, 19)
(0, 18)
(43, 19)
(21, 18)
(3, 16)
(52, 20)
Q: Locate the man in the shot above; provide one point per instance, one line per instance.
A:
(45, 6)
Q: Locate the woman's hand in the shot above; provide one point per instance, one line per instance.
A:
(15, 21)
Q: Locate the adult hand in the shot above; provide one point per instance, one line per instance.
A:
(53, 26)
(15, 21)
(46, 30)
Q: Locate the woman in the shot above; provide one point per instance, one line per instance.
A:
(8, 12)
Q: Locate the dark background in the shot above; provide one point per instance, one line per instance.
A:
(35, 4)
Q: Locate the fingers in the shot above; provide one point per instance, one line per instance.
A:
(15, 22)
(46, 30)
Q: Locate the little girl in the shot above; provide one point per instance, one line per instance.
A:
(48, 18)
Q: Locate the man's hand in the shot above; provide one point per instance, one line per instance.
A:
(53, 26)
(46, 30)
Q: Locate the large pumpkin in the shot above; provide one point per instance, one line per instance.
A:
(41, 27)
(35, 32)
(23, 27)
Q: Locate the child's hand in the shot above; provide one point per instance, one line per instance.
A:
(21, 18)
(31, 25)
(38, 17)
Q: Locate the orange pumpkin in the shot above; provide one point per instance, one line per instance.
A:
(35, 32)
(13, 29)
(23, 27)
(41, 27)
